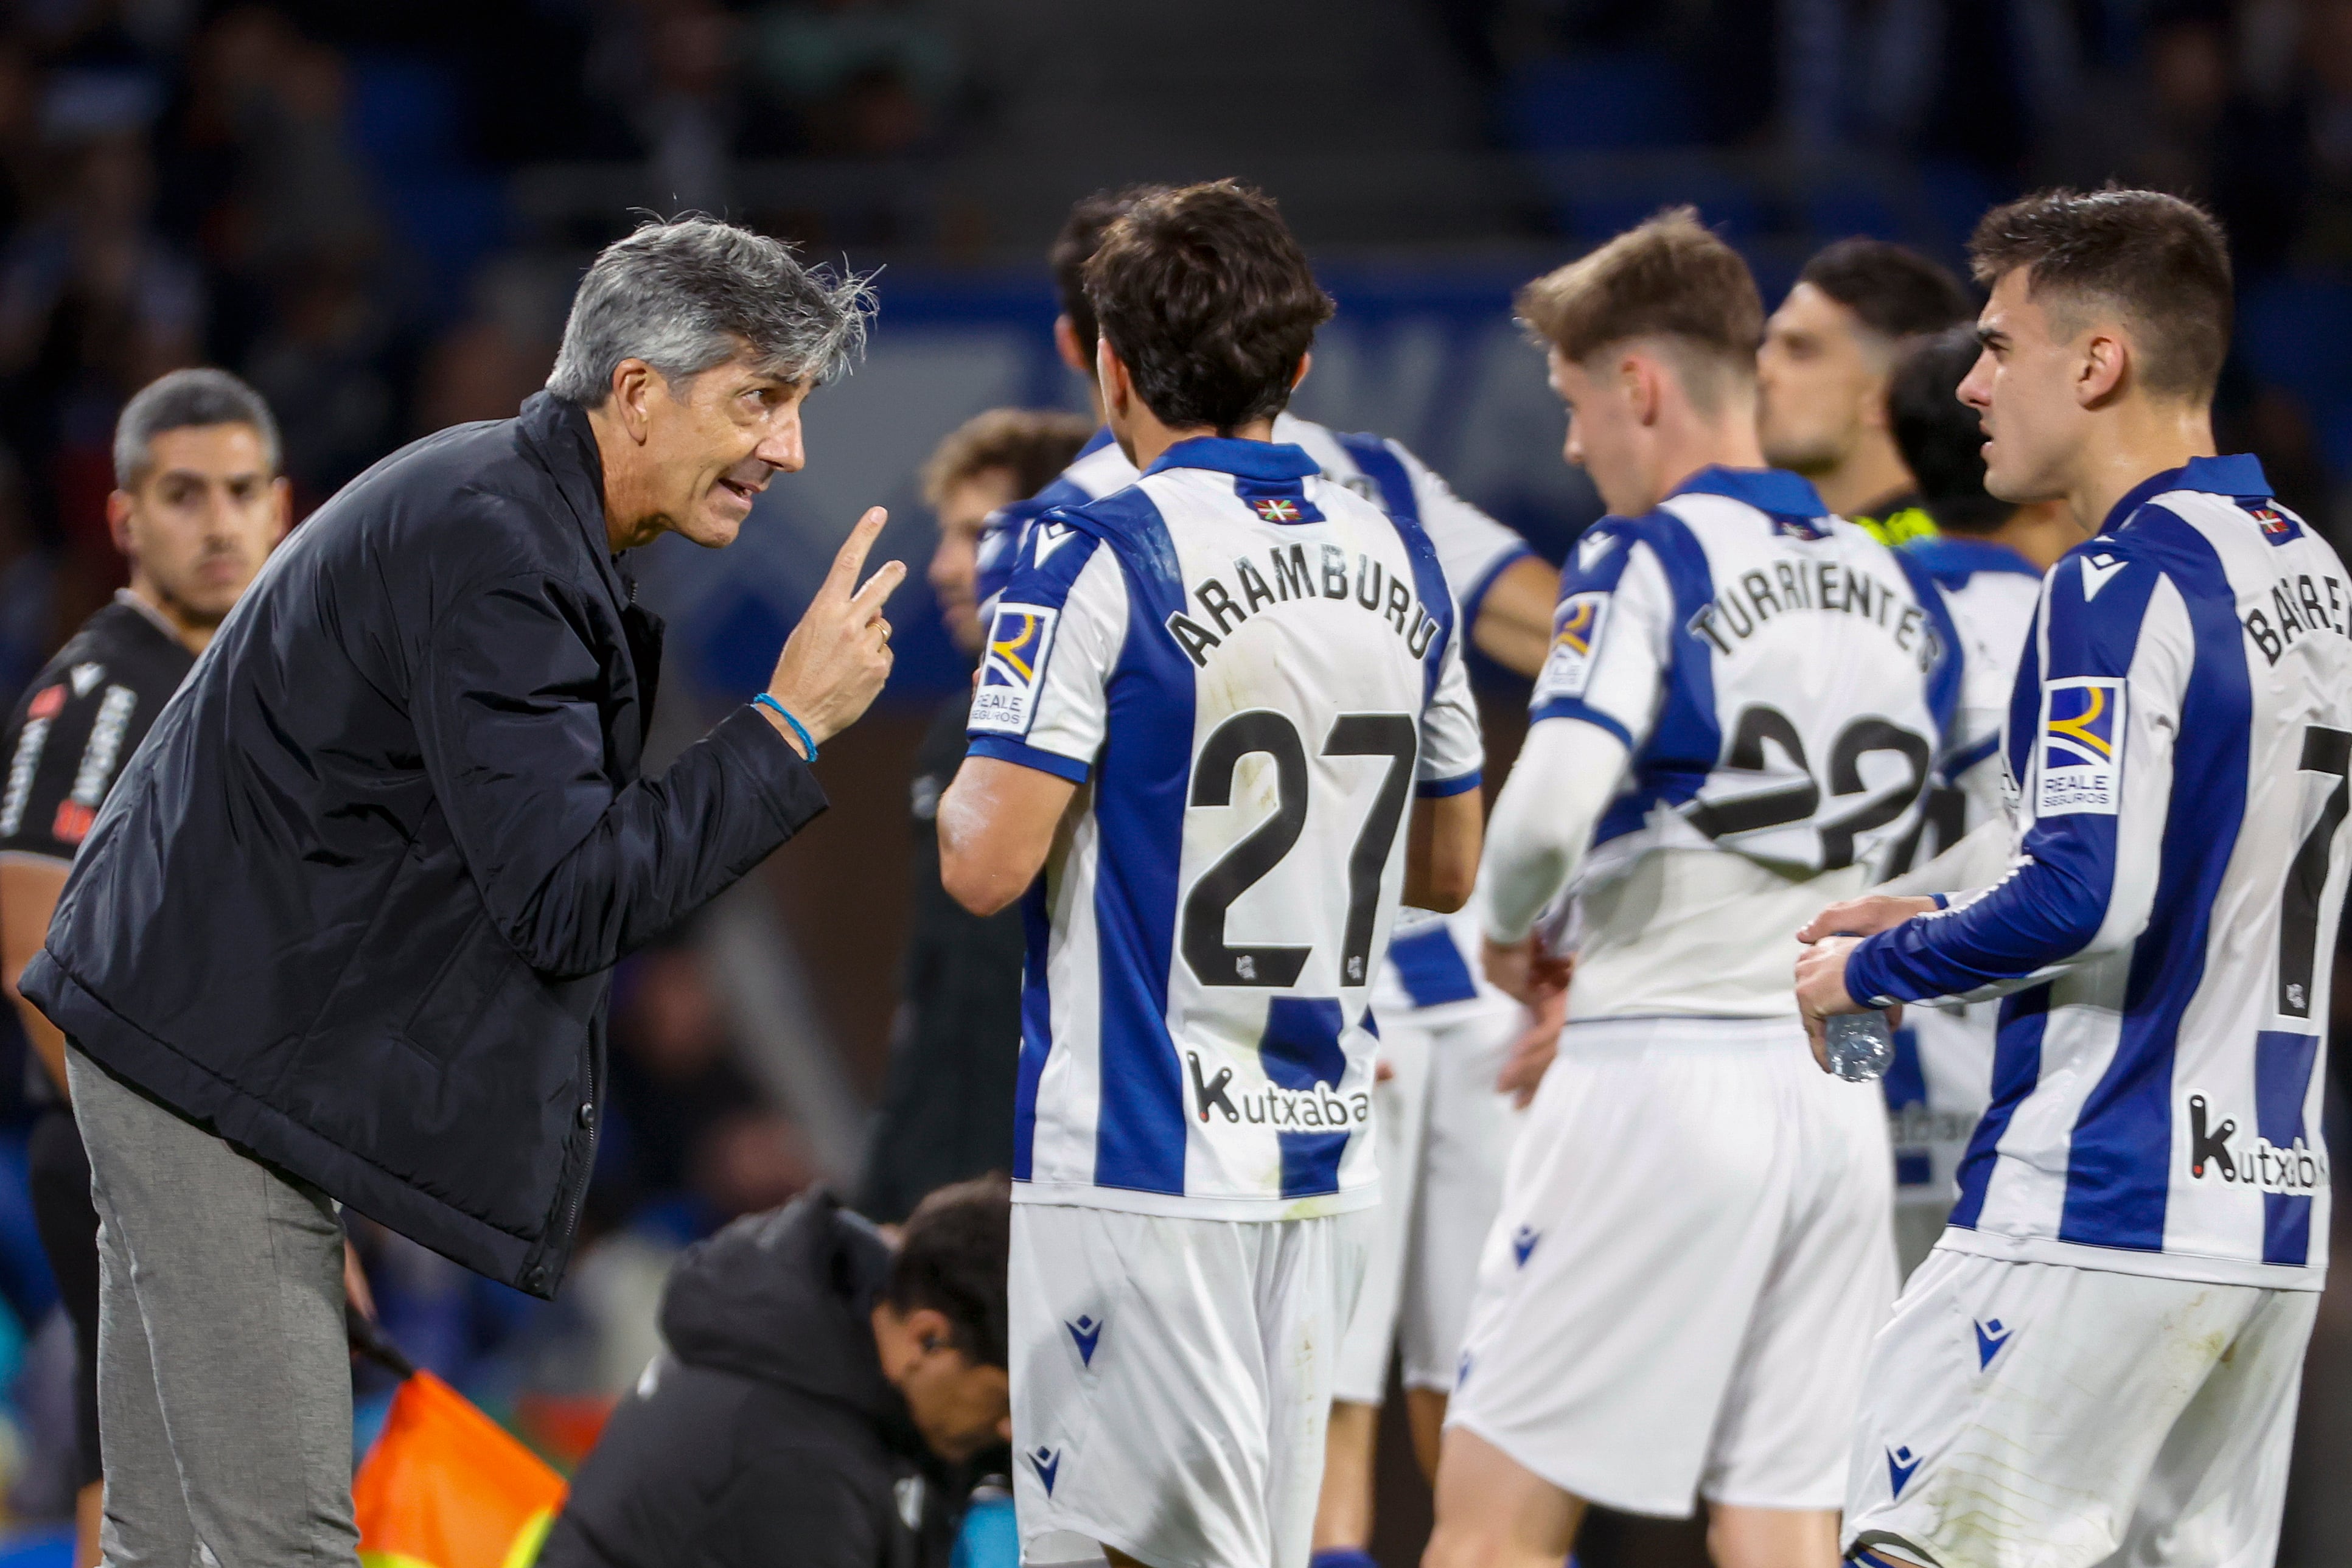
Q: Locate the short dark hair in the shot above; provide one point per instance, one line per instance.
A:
(1032, 444)
(952, 1260)
(1894, 290)
(2161, 262)
(1668, 277)
(1940, 436)
(180, 401)
(1076, 246)
(1210, 303)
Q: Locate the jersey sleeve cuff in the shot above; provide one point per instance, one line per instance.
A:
(1865, 977)
(1475, 599)
(1577, 707)
(1005, 749)
(1438, 788)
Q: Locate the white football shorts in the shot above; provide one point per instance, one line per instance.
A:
(2043, 1415)
(1171, 1381)
(1692, 1254)
(1445, 1139)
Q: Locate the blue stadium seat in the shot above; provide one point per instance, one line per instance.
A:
(1608, 102)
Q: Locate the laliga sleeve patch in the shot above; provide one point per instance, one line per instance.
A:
(2082, 746)
(1020, 639)
(1577, 625)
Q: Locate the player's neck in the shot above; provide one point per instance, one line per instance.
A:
(2041, 531)
(1686, 445)
(1144, 440)
(197, 635)
(1869, 476)
(2135, 441)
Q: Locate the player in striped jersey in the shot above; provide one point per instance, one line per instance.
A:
(1742, 701)
(1247, 670)
(1987, 557)
(1446, 1031)
(2102, 1358)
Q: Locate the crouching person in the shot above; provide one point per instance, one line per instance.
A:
(817, 1400)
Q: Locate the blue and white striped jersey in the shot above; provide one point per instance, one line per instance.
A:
(2181, 732)
(1434, 962)
(1252, 670)
(1472, 548)
(1941, 1078)
(1782, 681)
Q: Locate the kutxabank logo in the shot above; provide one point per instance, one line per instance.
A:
(2298, 1170)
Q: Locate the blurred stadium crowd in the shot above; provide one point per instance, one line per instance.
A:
(375, 213)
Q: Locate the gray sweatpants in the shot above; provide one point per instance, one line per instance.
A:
(223, 1382)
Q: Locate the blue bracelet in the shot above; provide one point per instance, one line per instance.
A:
(772, 705)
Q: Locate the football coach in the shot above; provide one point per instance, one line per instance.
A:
(343, 930)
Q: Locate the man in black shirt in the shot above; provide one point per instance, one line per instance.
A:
(198, 504)
(947, 1112)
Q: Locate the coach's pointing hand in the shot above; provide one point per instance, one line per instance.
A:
(836, 659)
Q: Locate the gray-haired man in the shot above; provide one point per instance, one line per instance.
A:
(342, 931)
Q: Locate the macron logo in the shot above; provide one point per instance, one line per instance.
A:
(1900, 1464)
(1086, 1331)
(2096, 569)
(1991, 1337)
(1523, 1241)
(1048, 1464)
(1592, 548)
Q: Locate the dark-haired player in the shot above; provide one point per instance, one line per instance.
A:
(197, 504)
(1821, 376)
(1224, 711)
(1447, 1033)
(2100, 1362)
(1987, 557)
(1742, 700)
(815, 1390)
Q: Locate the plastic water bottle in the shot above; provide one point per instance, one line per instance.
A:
(1861, 1045)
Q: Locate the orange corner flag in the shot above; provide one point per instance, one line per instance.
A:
(446, 1486)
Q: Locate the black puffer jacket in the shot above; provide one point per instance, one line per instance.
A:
(766, 1433)
(353, 903)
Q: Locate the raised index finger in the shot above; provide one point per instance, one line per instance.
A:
(850, 559)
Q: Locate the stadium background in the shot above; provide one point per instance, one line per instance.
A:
(377, 212)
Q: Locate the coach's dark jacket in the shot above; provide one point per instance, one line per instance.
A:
(353, 903)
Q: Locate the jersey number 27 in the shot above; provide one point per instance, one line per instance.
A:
(1390, 735)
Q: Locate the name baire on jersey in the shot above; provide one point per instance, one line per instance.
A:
(1783, 683)
(1251, 671)
(2181, 733)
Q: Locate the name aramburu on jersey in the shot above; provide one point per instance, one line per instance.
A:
(1297, 575)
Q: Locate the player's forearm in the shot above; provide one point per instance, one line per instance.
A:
(1565, 777)
(996, 824)
(1514, 624)
(2043, 919)
(30, 886)
(1442, 852)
